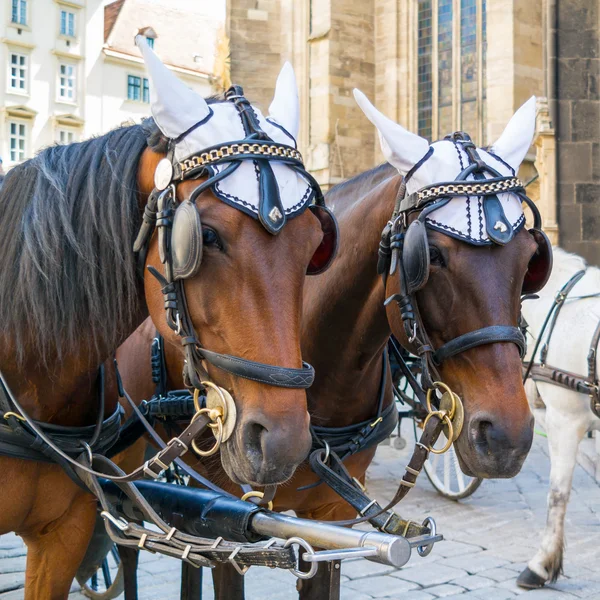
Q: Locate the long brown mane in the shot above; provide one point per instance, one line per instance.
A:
(69, 217)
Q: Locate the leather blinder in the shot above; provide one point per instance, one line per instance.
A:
(186, 241)
(415, 256)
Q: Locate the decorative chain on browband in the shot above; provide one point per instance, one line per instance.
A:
(472, 188)
(238, 149)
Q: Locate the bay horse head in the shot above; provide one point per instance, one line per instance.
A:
(229, 243)
(458, 260)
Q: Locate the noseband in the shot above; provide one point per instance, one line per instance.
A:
(180, 236)
(404, 248)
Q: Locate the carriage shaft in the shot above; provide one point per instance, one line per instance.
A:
(390, 549)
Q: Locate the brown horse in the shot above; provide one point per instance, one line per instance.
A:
(71, 293)
(345, 329)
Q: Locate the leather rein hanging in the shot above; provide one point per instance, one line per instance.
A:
(541, 371)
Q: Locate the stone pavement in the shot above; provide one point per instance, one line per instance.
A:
(488, 539)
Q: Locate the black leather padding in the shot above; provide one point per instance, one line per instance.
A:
(186, 241)
(415, 256)
(540, 265)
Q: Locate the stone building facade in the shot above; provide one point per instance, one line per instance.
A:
(436, 66)
(574, 51)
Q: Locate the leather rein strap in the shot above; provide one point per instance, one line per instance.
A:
(541, 371)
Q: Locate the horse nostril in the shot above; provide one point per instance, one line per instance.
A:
(252, 436)
(487, 438)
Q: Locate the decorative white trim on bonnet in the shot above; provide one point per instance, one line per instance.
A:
(463, 217)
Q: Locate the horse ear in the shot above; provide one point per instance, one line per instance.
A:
(517, 137)
(175, 107)
(401, 148)
(285, 107)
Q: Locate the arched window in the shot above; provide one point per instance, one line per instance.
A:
(451, 48)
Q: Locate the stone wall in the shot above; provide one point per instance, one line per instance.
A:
(577, 115)
(331, 45)
(254, 30)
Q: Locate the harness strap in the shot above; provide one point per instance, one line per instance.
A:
(263, 373)
(362, 503)
(559, 301)
(337, 477)
(152, 468)
(480, 337)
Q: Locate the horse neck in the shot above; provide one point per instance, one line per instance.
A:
(345, 327)
(62, 392)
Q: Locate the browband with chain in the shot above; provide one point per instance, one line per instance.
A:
(237, 151)
(488, 187)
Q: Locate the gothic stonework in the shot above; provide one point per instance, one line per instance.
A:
(577, 113)
(336, 45)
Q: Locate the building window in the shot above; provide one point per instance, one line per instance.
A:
(17, 140)
(424, 70)
(451, 55)
(66, 84)
(67, 23)
(18, 73)
(138, 89)
(19, 12)
(150, 41)
(66, 136)
(444, 37)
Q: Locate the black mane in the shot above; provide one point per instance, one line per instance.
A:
(68, 218)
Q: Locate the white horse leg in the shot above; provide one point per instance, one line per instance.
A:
(565, 430)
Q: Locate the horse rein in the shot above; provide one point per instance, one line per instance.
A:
(541, 371)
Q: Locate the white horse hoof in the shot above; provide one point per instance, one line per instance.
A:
(530, 580)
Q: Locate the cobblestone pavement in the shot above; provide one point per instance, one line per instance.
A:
(488, 539)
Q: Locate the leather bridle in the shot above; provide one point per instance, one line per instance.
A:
(392, 247)
(159, 213)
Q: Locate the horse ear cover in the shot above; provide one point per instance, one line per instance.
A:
(186, 241)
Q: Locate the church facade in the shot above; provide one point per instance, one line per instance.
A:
(437, 66)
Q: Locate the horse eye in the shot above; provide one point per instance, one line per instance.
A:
(435, 257)
(210, 238)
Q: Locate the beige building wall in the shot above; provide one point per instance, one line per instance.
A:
(331, 45)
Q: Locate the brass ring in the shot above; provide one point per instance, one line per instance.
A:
(440, 384)
(217, 389)
(218, 435)
(197, 406)
(444, 416)
(257, 494)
